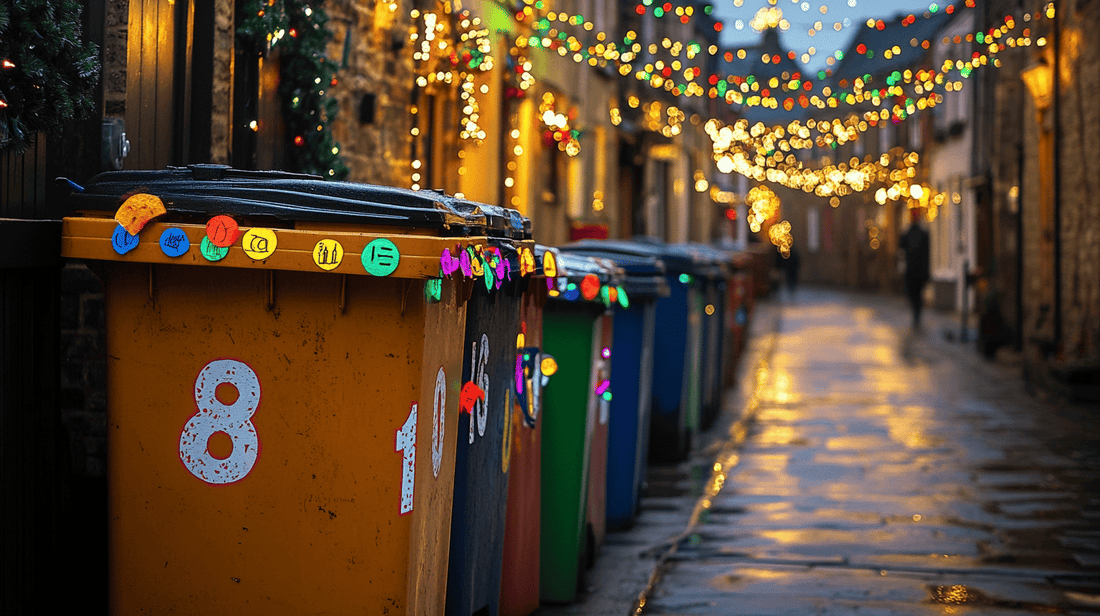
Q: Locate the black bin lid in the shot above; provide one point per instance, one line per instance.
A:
(207, 190)
(717, 259)
(677, 259)
(645, 274)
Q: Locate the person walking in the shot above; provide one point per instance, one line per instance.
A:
(791, 265)
(915, 244)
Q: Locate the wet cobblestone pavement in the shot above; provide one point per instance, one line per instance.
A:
(864, 469)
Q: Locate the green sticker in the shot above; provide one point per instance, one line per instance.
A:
(624, 301)
(488, 278)
(380, 257)
(433, 290)
(211, 252)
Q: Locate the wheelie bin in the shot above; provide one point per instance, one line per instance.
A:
(278, 347)
(573, 429)
(738, 311)
(677, 356)
(488, 399)
(519, 586)
(714, 280)
(631, 378)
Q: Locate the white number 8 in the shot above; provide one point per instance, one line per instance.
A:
(214, 416)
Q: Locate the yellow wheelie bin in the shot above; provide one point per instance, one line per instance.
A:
(283, 380)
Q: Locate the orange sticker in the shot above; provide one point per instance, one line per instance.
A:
(590, 287)
(138, 210)
(222, 231)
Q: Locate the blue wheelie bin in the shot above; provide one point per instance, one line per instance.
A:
(677, 350)
(713, 279)
(631, 380)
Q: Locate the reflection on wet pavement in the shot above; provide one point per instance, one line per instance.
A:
(883, 475)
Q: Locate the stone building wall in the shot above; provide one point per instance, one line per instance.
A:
(1079, 158)
(371, 44)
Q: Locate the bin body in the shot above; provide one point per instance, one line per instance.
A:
(632, 382)
(596, 506)
(282, 427)
(326, 488)
(519, 590)
(567, 429)
(631, 377)
(484, 451)
(713, 285)
(677, 358)
(677, 354)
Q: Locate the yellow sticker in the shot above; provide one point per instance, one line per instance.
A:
(138, 210)
(258, 244)
(328, 254)
(549, 264)
(475, 261)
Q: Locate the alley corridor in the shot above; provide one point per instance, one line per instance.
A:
(878, 472)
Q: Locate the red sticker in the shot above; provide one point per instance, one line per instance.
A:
(590, 287)
(469, 395)
(222, 231)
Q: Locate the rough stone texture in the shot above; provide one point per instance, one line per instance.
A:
(116, 24)
(83, 370)
(1079, 158)
(221, 113)
(378, 63)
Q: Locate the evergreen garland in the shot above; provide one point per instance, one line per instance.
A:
(300, 32)
(47, 74)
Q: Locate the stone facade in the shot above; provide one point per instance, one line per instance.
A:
(370, 42)
(1078, 156)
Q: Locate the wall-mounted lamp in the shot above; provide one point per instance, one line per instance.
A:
(1039, 79)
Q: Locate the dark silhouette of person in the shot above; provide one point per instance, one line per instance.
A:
(790, 265)
(915, 244)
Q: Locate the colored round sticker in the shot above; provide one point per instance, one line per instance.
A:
(211, 252)
(380, 257)
(222, 231)
(328, 254)
(259, 244)
(122, 241)
(174, 242)
(590, 287)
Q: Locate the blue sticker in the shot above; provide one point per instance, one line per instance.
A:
(122, 241)
(174, 242)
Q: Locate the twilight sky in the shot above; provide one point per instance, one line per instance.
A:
(803, 14)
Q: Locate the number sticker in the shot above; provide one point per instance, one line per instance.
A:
(406, 443)
(214, 416)
(479, 364)
(439, 419)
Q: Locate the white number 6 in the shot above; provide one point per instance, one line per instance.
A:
(214, 416)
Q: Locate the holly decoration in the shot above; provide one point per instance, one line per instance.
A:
(47, 74)
(299, 31)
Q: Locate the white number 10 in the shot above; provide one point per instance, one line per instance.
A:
(406, 442)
